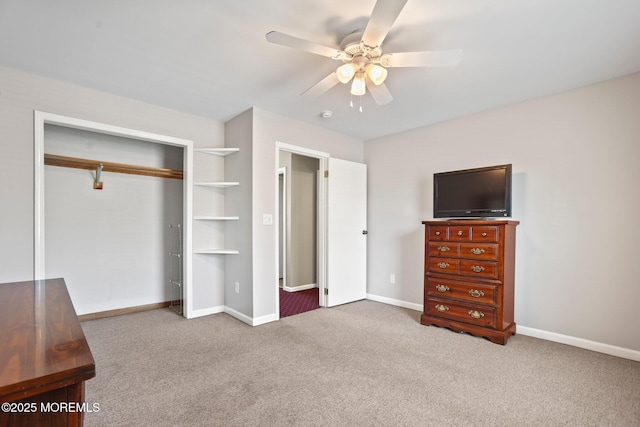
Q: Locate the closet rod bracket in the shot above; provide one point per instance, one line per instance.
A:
(97, 184)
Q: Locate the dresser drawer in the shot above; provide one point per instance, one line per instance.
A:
(446, 249)
(479, 250)
(486, 269)
(437, 232)
(476, 315)
(467, 291)
(460, 233)
(443, 265)
(484, 233)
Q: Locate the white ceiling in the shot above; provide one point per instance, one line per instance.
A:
(210, 57)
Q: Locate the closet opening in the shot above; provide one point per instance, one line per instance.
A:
(120, 239)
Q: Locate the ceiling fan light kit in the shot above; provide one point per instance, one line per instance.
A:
(346, 72)
(363, 61)
(358, 85)
(377, 74)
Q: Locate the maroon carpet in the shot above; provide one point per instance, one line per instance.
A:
(298, 302)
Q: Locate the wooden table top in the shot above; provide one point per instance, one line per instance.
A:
(42, 345)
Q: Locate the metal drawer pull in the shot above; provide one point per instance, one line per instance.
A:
(443, 264)
(444, 248)
(476, 294)
(477, 251)
(459, 233)
(442, 308)
(477, 268)
(484, 234)
(442, 288)
(476, 314)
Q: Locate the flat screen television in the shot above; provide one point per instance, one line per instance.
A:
(473, 193)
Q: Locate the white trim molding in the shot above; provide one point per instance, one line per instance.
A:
(599, 347)
(251, 321)
(299, 287)
(397, 303)
(206, 311)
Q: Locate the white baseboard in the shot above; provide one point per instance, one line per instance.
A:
(397, 303)
(257, 321)
(240, 316)
(299, 287)
(251, 321)
(612, 350)
(206, 312)
(233, 313)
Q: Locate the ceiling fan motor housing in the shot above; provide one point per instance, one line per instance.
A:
(357, 52)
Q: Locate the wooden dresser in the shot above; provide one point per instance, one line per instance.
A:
(44, 356)
(469, 268)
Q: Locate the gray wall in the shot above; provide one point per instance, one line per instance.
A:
(238, 234)
(575, 191)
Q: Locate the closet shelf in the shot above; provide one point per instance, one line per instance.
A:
(217, 218)
(217, 151)
(216, 251)
(216, 184)
(88, 164)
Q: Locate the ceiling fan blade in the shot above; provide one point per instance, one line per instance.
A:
(379, 93)
(437, 58)
(322, 86)
(296, 43)
(384, 14)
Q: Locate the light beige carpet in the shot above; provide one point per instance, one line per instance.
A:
(361, 364)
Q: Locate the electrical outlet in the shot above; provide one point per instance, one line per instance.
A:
(392, 278)
(237, 287)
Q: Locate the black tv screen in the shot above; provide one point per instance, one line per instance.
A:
(479, 192)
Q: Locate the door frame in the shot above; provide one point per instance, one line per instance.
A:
(41, 118)
(323, 159)
(282, 172)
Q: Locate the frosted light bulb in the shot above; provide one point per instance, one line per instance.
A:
(358, 86)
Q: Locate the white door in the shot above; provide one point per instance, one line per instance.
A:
(346, 232)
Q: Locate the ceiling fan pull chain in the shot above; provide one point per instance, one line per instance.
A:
(360, 104)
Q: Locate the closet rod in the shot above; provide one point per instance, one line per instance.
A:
(74, 162)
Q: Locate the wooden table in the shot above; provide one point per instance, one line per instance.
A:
(44, 356)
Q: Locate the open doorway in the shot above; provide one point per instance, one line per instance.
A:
(298, 185)
(300, 207)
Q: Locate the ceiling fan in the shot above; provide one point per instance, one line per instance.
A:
(363, 62)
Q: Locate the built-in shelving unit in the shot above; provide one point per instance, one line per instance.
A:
(222, 152)
(216, 184)
(216, 218)
(217, 151)
(216, 251)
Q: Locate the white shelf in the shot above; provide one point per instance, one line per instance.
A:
(217, 151)
(216, 184)
(216, 252)
(217, 218)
